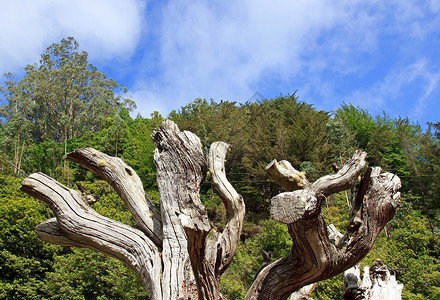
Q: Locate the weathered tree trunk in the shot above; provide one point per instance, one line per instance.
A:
(173, 254)
(315, 256)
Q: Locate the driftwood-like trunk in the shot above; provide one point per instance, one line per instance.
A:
(317, 252)
(176, 253)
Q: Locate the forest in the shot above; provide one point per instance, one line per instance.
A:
(63, 103)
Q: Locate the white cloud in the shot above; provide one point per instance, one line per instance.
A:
(105, 29)
(403, 90)
(148, 102)
(230, 49)
(222, 50)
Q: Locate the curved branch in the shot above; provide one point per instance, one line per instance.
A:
(370, 216)
(79, 225)
(223, 247)
(287, 176)
(127, 184)
(344, 179)
(306, 203)
(315, 256)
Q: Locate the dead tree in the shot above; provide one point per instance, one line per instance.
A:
(176, 253)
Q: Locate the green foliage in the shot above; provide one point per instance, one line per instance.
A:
(273, 237)
(359, 121)
(24, 259)
(109, 204)
(231, 285)
(411, 252)
(335, 210)
(281, 128)
(86, 274)
(137, 148)
(329, 289)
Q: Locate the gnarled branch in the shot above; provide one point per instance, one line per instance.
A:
(127, 184)
(173, 253)
(314, 255)
(79, 225)
(223, 246)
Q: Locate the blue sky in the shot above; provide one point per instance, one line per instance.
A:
(378, 55)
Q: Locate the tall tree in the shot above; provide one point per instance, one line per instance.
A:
(63, 96)
(16, 133)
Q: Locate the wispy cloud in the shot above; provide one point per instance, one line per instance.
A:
(225, 49)
(229, 50)
(405, 91)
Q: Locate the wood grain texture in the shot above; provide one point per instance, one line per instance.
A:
(286, 175)
(222, 246)
(127, 184)
(181, 167)
(314, 255)
(77, 224)
(176, 253)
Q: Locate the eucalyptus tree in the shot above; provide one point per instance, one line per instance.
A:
(16, 128)
(63, 95)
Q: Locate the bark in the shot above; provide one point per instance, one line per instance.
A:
(314, 255)
(76, 224)
(176, 253)
(304, 293)
(127, 184)
(286, 175)
(170, 252)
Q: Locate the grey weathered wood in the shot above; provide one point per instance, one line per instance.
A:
(127, 184)
(314, 256)
(79, 225)
(223, 246)
(176, 253)
(180, 262)
(287, 176)
(303, 293)
(181, 167)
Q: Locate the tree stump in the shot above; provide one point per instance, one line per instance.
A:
(175, 252)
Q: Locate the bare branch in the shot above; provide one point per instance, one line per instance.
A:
(225, 244)
(306, 203)
(79, 225)
(191, 261)
(370, 216)
(345, 178)
(315, 256)
(127, 184)
(287, 176)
